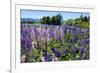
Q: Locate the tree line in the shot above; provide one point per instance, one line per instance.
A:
(54, 20)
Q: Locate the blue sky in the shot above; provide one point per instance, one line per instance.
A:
(40, 14)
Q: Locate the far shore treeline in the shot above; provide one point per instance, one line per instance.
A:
(82, 21)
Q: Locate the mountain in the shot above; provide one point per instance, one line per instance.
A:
(29, 20)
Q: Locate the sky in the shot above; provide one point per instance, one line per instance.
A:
(39, 14)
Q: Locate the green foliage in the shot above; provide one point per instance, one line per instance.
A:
(58, 19)
(48, 20)
(45, 20)
(82, 21)
(69, 22)
(54, 20)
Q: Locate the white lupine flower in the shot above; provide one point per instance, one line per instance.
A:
(42, 57)
(23, 58)
(54, 58)
(33, 44)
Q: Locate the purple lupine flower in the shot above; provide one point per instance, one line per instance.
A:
(26, 39)
(56, 52)
(65, 52)
(83, 31)
(47, 58)
(36, 32)
(78, 30)
(74, 50)
(75, 39)
(50, 32)
(87, 41)
(65, 28)
(82, 50)
(43, 32)
(81, 42)
(74, 32)
(49, 35)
